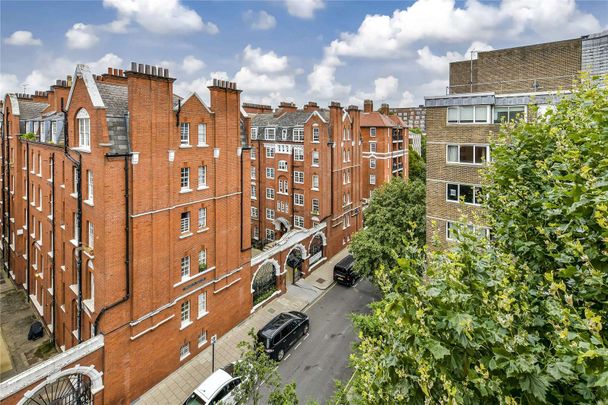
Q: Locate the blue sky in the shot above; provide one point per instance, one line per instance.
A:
(301, 50)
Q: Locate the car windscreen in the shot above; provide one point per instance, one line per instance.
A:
(195, 400)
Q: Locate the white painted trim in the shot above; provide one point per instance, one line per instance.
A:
(273, 262)
(311, 115)
(286, 243)
(227, 285)
(14, 104)
(184, 204)
(151, 328)
(47, 368)
(84, 72)
(274, 294)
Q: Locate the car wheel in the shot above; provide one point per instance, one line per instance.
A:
(280, 355)
(306, 327)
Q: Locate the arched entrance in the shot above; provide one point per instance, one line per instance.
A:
(294, 264)
(76, 386)
(264, 283)
(315, 250)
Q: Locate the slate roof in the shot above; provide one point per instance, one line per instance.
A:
(376, 119)
(29, 110)
(116, 100)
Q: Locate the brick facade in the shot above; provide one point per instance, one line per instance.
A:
(502, 81)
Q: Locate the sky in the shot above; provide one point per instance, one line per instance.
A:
(291, 50)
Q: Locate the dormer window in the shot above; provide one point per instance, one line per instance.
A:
(84, 129)
(270, 134)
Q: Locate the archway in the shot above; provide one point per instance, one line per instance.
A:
(264, 282)
(77, 385)
(294, 264)
(315, 249)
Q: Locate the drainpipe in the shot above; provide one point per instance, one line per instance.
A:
(27, 213)
(8, 192)
(127, 295)
(54, 251)
(243, 202)
(78, 165)
(5, 190)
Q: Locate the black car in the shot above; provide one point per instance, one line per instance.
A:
(344, 273)
(282, 332)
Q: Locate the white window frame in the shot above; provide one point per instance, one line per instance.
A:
(523, 113)
(475, 146)
(315, 158)
(270, 152)
(90, 193)
(91, 232)
(270, 172)
(253, 192)
(202, 304)
(184, 351)
(298, 199)
(315, 206)
(298, 221)
(373, 148)
(315, 135)
(270, 235)
(298, 154)
(298, 134)
(84, 129)
(254, 133)
(202, 134)
(315, 182)
(458, 110)
(202, 177)
(372, 179)
(298, 177)
(372, 131)
(185, 267)
(184, 134)
(372, 163)
(184, 176)
(185, 222)
(270, 214)
(270, 193)
(254, 212)
(283, 165)
(270, 134)
(202, 218)
(475, 188)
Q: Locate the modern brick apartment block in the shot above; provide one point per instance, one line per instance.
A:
(305, 178)
(125, 219)
(412, 117)
(385, 147)
(498, 85)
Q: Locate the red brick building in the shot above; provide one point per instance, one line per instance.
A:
(123, 218)
(385, 147)
(305, 184)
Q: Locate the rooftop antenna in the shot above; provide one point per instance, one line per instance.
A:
(25, 86)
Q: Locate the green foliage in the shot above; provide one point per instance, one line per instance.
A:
(30, 136)
(255, 368)
(548, 194)
(518, 319)
(285, 396)
(417, 166)
(395, 212)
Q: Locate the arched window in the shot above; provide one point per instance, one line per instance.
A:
(84, 129)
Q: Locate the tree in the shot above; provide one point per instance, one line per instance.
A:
(417, 166)
(394, 208)
(256, 368)
(519, 318)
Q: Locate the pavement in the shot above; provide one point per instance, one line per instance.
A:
(176, 387)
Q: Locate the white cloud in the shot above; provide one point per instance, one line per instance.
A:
(102, 64)
(9, 83)
(384, 90)
(22, 38)
(161, 16)
(407, 99)
(119, 26)
(191, 64)
(322, 80)
(81, 36)
(259, 20)
(249, 80)
(268, 62)
(304, 8)
(198, 85)
(434, 63)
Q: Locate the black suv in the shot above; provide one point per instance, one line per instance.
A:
(343, 272)
(282, 332)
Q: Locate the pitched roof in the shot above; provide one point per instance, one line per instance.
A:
(29, 110)
(376, 119)
(116, 100)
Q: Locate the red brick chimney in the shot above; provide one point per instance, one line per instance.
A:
(311, 106)
(257, 108)
(284, 107)
(368, 106)
(384, 108)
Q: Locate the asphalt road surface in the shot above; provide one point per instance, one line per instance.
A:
(322, 357)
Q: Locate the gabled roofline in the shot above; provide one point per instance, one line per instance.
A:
(318, 115)
(348, 115)
(84, 72)
(14, 104)
(195, 94)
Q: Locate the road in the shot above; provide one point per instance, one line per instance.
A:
(315, 362)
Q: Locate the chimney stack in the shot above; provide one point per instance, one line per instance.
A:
(384, 108)
(368, 106)
(311, 106)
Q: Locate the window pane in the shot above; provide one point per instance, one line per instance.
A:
(452, 114)
(478, 195)
(481, 113)
(480, 154)
(452, 192)
(466, 193)
(501, 114)
(466, 154)
(516, 113)
(466, 114)
(452, 153)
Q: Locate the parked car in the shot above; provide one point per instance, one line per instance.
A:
(217, 389)
(282, 332)
(344, 273)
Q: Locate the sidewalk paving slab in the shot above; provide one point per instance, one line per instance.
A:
(177, 386)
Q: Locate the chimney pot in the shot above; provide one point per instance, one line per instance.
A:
(140, 68)
(133, 67)
(120, 72)
(147, 69)
(115, 72)
(153, 70)
(166, 72)
(109, 70)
